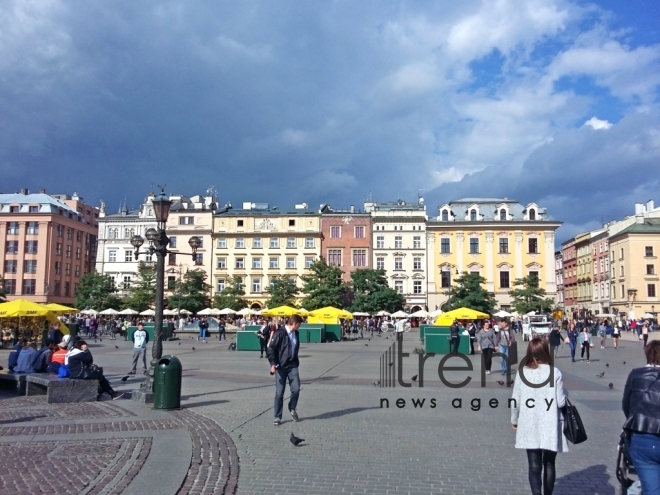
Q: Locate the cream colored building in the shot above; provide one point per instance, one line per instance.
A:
(258, 242)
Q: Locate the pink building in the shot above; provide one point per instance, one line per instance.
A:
(47, 243)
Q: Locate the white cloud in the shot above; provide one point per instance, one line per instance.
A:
(596, 123)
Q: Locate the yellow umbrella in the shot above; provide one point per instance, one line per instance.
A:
(60, 309)
(281, 311)
(331, 312)
(23, 307)
(460, 314)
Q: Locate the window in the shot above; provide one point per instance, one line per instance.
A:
(274, 263)
(309, 242)
(292, 222)
(380, 242)
(650, 269)
(359, 232)
(29, 286)
(502, 214)
(12, 247)
(334, 257)
(112, 256)
(58, 267)
(473, 215)
(309, 261)
(68, 251)
(398, 286)
(69, 233)
(33, 227)
(239, 223)
(445, 216)
(380, 263)
(126, 282)
(67, 269)
(31, 247)
(12, 228)
(34, 209)
(171, 283)
(621, 271)
(445, 279)
(474, 245)
(199, 259)
(11, 266)
(10, 286)
(239, 282)
(648, 251)
(623, 291)
(220, 285)
(30, 266)
(504, 245)
(417, 242)
(77, 253)
(222, 243)
(532, 214)
(398, 242)
(60, 229)
(221, 263)
(240, 263)
(14, 209)
(240, 242)
(256, 242)
(128, 256)
(76, 271)
(359, 257)
(533, 245)
(171, 259)
(67, 288)
(256, 263)
(291, 242)
(417, 263)
(504, 280)
(56, 288)
(256, 284)
(398, 263)
(417, 286)
(534, 274)
(335, 232)
(621, 257)
(444, 246)
(596, 291)
(274, 242)
(650, 290)
(186, 220)
(290, 263)
(173, 242)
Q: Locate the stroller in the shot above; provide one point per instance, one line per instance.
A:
(625, 472)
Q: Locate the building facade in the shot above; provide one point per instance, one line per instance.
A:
(48, 243)
(569, 255)
(399, 247)
(600, 302)
(258, 242)
(559, 276)
(584, 272)
(499, 239)
(346, 239)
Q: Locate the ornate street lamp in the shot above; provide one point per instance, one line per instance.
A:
(158, 242)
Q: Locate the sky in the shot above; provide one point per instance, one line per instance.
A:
(548, 101)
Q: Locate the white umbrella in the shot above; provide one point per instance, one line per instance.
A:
(647, 315)
(127, 311)
(227, 311)
(168, 312)
(420, 314)
(382, 313)
(148, 312)
(89, 312)
(435, 313)
(205, 312)
(245, 311)
(109, 311)
(400, 314)
(502, 314)
(360, 313)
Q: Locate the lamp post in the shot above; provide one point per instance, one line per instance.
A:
(158, 242)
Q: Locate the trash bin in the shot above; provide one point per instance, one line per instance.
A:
(167, 383)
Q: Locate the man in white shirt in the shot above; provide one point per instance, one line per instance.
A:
(140, 339)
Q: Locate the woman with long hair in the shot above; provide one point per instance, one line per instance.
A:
(535, 415)
(486, 340)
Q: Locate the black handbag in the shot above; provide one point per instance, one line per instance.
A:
(573, 427)
(90, 372)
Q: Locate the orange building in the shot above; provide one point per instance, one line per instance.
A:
(47, 243)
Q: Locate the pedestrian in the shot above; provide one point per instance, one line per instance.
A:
(486, 344)
(283, 358)
(645, 333)
(170, 327)
(585, 343)
(572, 334)
(88, 321)
(472, 331)
(453, 338)
(616, 333)
(555, 340)
(264, 338)
(539, 429)
(203, 326)
(602, 333)
(55, 334)
(505, 340)
(140, 339)
(81, 367)
(222, 329)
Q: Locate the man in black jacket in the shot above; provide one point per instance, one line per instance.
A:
(283, 358)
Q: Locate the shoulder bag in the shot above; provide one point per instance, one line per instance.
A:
(573, 427)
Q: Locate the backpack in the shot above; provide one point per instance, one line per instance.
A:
(63, 371)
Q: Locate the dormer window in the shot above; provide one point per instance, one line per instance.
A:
(532, 214)
(473, 215)
(502, 214)
(445, 216)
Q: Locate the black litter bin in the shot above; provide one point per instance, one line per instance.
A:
(167, 383)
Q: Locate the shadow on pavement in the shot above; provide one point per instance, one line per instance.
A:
(338, 413)
(205, 403)
(21, 420)
(591, 481)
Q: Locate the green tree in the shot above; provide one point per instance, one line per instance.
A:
(468, 292)
(282, 292)
(528, 296)
(97, 291)
(191, 293)
(371, 292)
(324, 286)
(3, 292)
(232, 296)
(142, 292)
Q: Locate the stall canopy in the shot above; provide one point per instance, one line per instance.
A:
(447, 319)
(21, 308)
(328, 315)
(280, 311)
(60, 309)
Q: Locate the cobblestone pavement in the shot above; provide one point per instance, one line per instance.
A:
(353, 442)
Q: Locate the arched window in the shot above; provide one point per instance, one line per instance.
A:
(473, 215)
(128, 233)
(445, 216)
(502, 214)
(532, 214)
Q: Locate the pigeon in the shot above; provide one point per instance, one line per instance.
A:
(376, 384)
(391, 364)
(367, 345)
(601, 375)
(193, 348)
(101, 340)
(125, 378)
(611, 385)
(500, 382)
(94, 340)
(179, 343)
(607, 365)
(116, 347)
(624, 362)
(414, 378)
(295, 440)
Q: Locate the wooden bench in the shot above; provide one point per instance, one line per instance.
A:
(57, 390)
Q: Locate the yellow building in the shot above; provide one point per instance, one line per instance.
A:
(499, 239)
(258, 242)
(584, 271)
(634, 268)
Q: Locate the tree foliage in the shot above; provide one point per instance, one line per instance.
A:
(371, 293)
(232, 296)
(282, 292)
(142, 292)
(97, 291)
(191, 292)
(468, 292)
(528, 296)
(324, 286)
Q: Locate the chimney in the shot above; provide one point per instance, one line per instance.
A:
(42, 191)
(639, 208)
(650, 205)
(352, 208)
(25, 192)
